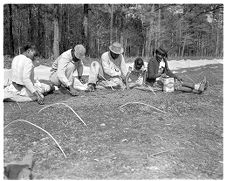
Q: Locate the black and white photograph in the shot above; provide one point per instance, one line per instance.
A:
(112, 91)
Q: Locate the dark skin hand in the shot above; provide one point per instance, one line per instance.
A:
(40, 97)
(73, 91)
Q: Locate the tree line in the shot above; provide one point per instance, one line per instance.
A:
(181, 29)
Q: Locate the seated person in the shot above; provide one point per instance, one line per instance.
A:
(23, 86)
(111, 71)
(158, 68)
(65, 65)
(136, 77)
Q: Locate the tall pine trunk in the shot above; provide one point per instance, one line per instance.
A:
(185, 39)
(111, 23)
(217, 42)
(86, 29)
(159, 27)
(11, 52)
(56, 33)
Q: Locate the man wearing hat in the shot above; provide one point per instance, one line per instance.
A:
(112, 69)
(158, 68)
(64, 67)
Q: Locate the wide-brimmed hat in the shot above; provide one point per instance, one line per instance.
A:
(116, 48)
(79, 51)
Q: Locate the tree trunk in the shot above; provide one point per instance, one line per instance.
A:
(31, 25)
(116, 33)
(125, 47)
(149, 33)
(143, 50)
(19, 27)
(111, 24)
(184, 45)
(56, 33)
(159, 27)
(41, 32)
(121, 38)
(11, 31)
(47, 49)
(217, 42)
(98, 47)
(180, 36)
(86, 29)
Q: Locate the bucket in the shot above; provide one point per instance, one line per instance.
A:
(168, 84)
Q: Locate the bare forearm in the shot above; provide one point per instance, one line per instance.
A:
(80, 71)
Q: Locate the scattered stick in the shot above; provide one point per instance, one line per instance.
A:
(200, 73)
(190, 78)
(142, 104)
(66, 106)
(21, 120)
(163, 152)
(151, 89)
(145, 88)
(18, 105)
(160, 152)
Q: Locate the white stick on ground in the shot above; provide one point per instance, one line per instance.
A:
(190, 78)
(151, 89)
(21, 120)
(164, 151)
(142, 104)
(66, 106)
(18, 105)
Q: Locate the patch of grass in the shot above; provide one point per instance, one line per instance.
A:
(184, 143)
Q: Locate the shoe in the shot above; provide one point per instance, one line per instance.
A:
(90, 88)
(202, 85)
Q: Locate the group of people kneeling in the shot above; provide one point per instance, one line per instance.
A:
(111, 71)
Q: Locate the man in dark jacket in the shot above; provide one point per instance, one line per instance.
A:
(158, 68)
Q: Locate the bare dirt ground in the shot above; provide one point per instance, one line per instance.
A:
(132, 142)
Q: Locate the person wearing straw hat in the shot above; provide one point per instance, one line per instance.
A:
(158, 69)
(64, 67)
(111, 71)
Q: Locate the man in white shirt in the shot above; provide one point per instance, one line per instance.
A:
(23, 83)
(64, 67)
(112, 68)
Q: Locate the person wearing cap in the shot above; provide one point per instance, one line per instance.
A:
(111, 70)
(24, 87)
(158, 69)
(65, 65)
(136, 76)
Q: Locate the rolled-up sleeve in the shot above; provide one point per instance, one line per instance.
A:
(27, 72)
(61, 71)
(109, 68)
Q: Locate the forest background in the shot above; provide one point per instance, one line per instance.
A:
(184, 30)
